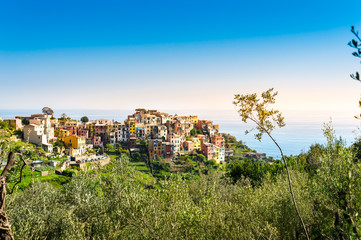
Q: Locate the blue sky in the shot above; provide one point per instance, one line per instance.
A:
(176, 54)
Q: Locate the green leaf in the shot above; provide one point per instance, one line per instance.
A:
(354, 42)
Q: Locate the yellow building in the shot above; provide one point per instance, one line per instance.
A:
(61, 133)
(91, 129)
(74, 142)
(132, 127)
(191, 119)
(197, 143)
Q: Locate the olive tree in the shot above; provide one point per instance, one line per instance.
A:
(84, 119)
(48, 111)
(255, 109)
(15, 156)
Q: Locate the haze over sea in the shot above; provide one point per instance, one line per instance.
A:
(303, 128)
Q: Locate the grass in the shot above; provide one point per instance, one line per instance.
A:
(140, 166)
(29, 177)
(45, 168)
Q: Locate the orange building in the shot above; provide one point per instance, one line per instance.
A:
(218, 141)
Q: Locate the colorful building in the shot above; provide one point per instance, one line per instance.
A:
(197, 143)
(14, 123)
(218, 141)
(208, 150)
(61, 133)
(219, 154)
(131, 126)
(73, 141)
(191, 119)
(189, 146)
(155, 149)
(75, 145)
(166, 150)
(97, 141)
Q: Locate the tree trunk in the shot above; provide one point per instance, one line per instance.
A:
(338, 226)
(5, 231)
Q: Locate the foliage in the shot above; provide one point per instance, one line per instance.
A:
(64, 116)
(25, 121)
(139, 157)
(255, 171)
(4, 125)
(338, 182)
(250, 107)
(59, 143)
(84, 119)
(117, 203)
(212, 163)
(356, 44)
(69, 172)
(110, 148)
(47, 111)
(45, 168)
(160, 165)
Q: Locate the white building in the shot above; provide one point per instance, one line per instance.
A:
(222, 155)
(162, 132)
(46, 123)
(123, 133)
(175, 141)
(35, 134)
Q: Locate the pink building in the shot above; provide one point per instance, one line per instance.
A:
(72, 129)
(83, 133)
(208, 150)
(14, 123)
(189, 146)
(97, 141)
(218, 141)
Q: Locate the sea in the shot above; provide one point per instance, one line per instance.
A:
(303, 128)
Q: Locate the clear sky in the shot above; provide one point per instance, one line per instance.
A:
(176, 54)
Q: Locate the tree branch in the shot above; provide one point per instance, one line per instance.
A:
(21, 177)
(9, 164)
(289, 178)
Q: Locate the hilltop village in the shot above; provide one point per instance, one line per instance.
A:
(166, 136)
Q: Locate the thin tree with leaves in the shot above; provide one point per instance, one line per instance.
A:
(255, 109)
(356, 44)
(13, 172)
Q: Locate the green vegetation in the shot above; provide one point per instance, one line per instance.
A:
(45, 168)
(257, 110)
(84, 119)
(119, 202)
(33, 177)
(48, 111)
(255, 171)
(140, 166)
(193, 132)
(138, 198)
(4, 125)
